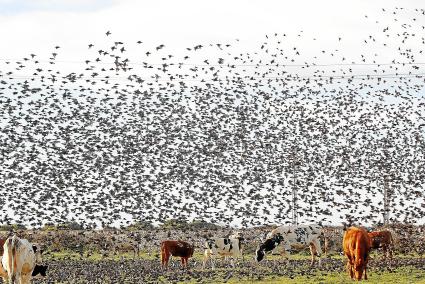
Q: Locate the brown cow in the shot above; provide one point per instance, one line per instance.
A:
(357, 245)
(384, 240)
(175, 248)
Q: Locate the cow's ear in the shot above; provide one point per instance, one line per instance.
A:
(34, 248)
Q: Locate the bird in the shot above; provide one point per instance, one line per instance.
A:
(224, 137)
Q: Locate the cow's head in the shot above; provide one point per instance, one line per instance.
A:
(39, 269)
(278, 238)
(191, 250)
(259, 254)
(37, 251)
(359, 267)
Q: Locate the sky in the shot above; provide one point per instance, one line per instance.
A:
(37, 26)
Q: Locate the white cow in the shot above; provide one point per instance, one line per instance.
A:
(223, 247)
(307, 235)
(19, 260)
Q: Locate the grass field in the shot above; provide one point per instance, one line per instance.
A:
(146, 269)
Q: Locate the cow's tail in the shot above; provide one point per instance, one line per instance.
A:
(12, 245)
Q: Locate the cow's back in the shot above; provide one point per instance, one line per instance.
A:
(356, 239)
(302, 234)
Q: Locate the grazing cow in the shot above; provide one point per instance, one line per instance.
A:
(382, 240)
(224, 247)
(267, 246)
(19, 260)
(356, 245)
(175, 248)
(306, 235)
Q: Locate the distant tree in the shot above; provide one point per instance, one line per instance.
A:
(12, 227)
(70, 226)
(139, 225)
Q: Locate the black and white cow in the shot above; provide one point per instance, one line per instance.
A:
(267, 246)
(306, 235)
(223, 247)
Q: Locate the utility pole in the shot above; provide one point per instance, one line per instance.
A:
(294, 181)
(388, 177)
(294, 161)
(294, 205)
(386, 213)
(294, 191)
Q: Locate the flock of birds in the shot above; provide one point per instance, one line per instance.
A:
(241, 137)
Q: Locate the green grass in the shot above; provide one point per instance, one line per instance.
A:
(404, 274)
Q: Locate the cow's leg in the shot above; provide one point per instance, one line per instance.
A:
(317, 251)
(17, 278)
(25, 278)
(284, 254)
(165, 259)
(390, 252)
(349, 270)
(207, 255)
(225, 260)
(3, 273)
(286, 251)
(275, 251)
(213, 260)
(162, 258)
(326, 248)
(313, 254)
(350, 267)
